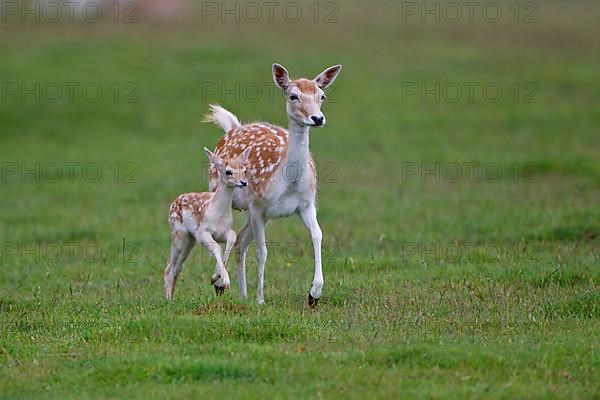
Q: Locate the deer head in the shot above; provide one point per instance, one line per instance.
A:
(232, 172)
(304, 97)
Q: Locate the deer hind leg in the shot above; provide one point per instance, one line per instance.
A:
(258, 230)
(244, 238)
(181, 246)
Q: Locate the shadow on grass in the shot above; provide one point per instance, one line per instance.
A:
(566, 233)
(221, 309)
(586, 305)
(201, 370)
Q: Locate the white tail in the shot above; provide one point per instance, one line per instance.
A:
(222, 118)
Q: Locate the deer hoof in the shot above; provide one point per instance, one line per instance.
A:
(219, 290)
(312, 302)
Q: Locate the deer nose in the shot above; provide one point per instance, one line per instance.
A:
(318, 120)
(244, 183)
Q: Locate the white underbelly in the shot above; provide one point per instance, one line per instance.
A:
(286, 206)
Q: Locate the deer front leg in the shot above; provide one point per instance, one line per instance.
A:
(309, 218)
(220, 272)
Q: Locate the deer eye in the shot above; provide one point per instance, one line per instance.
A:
(228, 173)
(294, 97)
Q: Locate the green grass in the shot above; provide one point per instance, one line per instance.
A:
(432, 289)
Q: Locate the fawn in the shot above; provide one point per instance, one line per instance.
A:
(206, 218)
(281, 171)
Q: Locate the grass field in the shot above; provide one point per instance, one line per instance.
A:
(436, 285)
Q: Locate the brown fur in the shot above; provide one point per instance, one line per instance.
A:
(306, 86)
(269, 145)
(195, 202)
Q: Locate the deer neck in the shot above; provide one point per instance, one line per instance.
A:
(223, 198)
(297, 153)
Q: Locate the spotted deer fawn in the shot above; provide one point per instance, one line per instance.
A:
(281, 171)
(206, 218)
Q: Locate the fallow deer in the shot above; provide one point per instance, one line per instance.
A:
(281, 171)
(206, 218)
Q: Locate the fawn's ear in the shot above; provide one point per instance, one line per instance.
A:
(243, 158)
(281, 76)
(326, 78)
(213, 158)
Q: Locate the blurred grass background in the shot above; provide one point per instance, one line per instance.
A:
(390, 323)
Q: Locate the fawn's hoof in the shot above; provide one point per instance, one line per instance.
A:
(312, 302)
(219, 290)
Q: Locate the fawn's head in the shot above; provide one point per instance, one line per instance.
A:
(232, 172)
(304, 97)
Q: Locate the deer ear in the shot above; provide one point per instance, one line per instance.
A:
(281, 76)
(243, 158)
(326, 78)
(213, 158)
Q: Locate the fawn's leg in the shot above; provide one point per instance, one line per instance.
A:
(213, 248)
(241, 248)
(217, 280)
(309, 218)
(181, 245)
